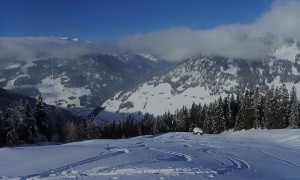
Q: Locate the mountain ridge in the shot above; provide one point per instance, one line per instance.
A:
(203, 79)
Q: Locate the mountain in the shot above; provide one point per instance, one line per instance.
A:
(86, 81)
(202, 79)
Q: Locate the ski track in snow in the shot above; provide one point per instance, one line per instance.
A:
(180, 155)
(172, 156)
(229, 162)
(273, 156)
(75, 164)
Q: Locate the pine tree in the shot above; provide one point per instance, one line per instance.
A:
(226, 112)
(232, 113)
(156, 126)
(58, 134)
(70, 131)
(103, 131)
(13, 120)
(278, 110)
(218, 121)
(294, 109)
(169, 121)
(208, 122)
(262, 112)
(30, 125)
(257, 106)
(180, 119)
(285, 105)
(91, 128)
(269, 108)
(81, 134)
(237, 112)
(41, 121)
(2, 130)
(194, 115)
(148, 124)
(186, 119)
(247, 112)
(113, 129)
(203, 116)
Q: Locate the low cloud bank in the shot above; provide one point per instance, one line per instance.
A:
(252, 41)
(31, 47)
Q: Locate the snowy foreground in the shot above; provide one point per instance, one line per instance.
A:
(253, 154)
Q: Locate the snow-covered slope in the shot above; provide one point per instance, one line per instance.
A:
(286, 51)
(253, 154)
(83, 81)
(203, 79)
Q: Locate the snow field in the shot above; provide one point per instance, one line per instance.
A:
(253, 154)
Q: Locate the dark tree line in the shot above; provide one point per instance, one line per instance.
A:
(275, 109)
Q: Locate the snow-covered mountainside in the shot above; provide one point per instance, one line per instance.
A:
(84, 81)
(252, 154)
(205, 78)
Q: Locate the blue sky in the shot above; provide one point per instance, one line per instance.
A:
(112, 19)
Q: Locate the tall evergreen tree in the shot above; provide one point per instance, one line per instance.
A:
(226, 112)
(294, 109)
(208, 122)
(181, 120)
(257, 106)
(57, 130)
(81, 133)
(203, 116)
(278, 111)
(269, 109)
(247, 112)
(70, 132)
(218, 121)
(285, 109)
(194, 115)
(91, 128)
(2, 130)
(262, 112)
(232, 113)
(30, 126)
(238, 104)
(41, 120)
(148, 124)
(13, 120)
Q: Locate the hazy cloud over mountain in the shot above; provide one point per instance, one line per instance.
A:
(28, 47)
(236, 40)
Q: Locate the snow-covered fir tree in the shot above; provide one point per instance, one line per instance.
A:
(257, 105)
(91, 128)
(41, 120)
(294, 110)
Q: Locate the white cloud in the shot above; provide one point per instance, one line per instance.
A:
(237, 40)
(28, 47)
